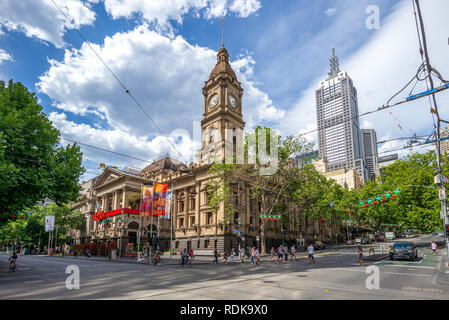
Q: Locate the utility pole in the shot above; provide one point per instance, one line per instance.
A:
(424, 51)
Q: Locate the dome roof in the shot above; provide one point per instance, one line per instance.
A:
(166, 163)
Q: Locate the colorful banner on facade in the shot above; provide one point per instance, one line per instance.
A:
(168, 203)
(160, 197)
(49, 223)
(146, 200)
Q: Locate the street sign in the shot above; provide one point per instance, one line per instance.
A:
(440, 179)
(236, 230)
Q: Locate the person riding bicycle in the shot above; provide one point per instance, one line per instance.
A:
(12, 260)
(156, 257)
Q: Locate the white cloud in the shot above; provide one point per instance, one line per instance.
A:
(161, 11)
(141, 147)
(383, 66)
(331, 11)
(4, 56)
(166, 76)
(42, 20)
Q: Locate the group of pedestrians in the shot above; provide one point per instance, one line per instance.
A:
(282, 252)
(187, 257)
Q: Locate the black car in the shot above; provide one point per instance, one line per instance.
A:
(404, 250)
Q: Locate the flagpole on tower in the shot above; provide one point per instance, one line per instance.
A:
(222, 30)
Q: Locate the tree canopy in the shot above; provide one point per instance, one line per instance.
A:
(33, 164)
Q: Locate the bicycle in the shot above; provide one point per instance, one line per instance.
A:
(12, 265)
(155, 259)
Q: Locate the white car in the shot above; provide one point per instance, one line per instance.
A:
(441, 234)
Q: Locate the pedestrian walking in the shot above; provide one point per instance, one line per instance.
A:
(253, 257)
(433, 245)
(183, 256)
(242, 256)
(257, 256)
(216, 254)
(360, 255)
(279, 254)
(75, 254)
(192, 257)
(87, 253)
(225, 256)
(273, 254)
(293, 253)
(285, 254)
(311, 251)
(232, 255)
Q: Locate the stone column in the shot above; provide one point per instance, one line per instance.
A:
(116, 200)
(197, 207)
(125, 203)
(186, 207)
(248, 206)
(103, 202)
(175, 209)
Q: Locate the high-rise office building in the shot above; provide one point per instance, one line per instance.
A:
(444, 145)
(370, 152)
(339, 134)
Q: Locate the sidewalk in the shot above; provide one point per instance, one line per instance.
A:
(443, 274)
(165, 260)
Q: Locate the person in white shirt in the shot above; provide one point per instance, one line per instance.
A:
(433, 245)
(311, 251)
(257, 256)
(242, 255)
(293, 253)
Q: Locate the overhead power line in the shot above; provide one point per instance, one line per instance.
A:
(106, 150)
(118, 80)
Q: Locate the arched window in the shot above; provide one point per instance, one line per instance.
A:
(133, 225)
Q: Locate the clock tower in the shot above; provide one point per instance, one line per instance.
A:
(222, 110)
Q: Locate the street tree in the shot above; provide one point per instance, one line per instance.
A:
(33, 164)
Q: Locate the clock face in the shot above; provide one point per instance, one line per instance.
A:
(213, 101)
(232, 101)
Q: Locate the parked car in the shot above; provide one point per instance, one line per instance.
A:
(404, 250)
(349, 242)
(358, 240)
(367, 240)
(434, 233)
(441, 234)
(381, 238)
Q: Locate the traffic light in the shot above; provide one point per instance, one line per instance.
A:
(446, 227)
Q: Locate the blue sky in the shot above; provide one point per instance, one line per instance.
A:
(164, 50)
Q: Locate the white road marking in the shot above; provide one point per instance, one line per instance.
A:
(405, 266)
(35, 281)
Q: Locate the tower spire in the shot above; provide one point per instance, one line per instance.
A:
(335, 67)
(222, 31)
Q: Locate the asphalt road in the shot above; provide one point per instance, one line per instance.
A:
(335, 275)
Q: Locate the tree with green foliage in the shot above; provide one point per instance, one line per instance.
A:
(268, 189)
(33, 165)
(418, 205)
(31, 229)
